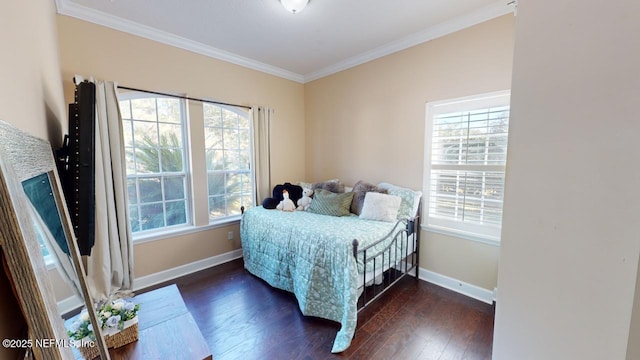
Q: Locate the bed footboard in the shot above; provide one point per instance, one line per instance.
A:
(382, 268)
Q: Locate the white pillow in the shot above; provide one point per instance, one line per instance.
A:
(380, 207)
(410, 199)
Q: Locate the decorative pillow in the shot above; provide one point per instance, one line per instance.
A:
(360, 189)
(381, 207)
(410, 199)
(329, 203)
(333, 185)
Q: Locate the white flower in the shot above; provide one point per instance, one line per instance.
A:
(84, 316)
(105, 314)
(90, 327)
(117, 305)
(113, 321)
(129, 306)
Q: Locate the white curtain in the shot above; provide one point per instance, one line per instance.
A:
(262, 151)
(110, 265)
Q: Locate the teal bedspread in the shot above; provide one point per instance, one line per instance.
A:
(311, 255)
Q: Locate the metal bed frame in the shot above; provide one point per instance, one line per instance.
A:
(399, 265)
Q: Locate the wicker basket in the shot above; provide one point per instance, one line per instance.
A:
(127, 335)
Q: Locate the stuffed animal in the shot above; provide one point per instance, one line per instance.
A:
(305, 200)
(295, 193)
(286, 204)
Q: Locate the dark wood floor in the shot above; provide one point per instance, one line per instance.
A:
(242, 317)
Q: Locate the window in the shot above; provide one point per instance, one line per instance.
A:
(465, 165)
(160, 169)
(228, 157)
(155, 142)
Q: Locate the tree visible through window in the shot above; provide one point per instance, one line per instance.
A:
(228, 157)
(467, 154)
(156, 157)
(156, 147)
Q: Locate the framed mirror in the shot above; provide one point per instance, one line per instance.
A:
(32, 205)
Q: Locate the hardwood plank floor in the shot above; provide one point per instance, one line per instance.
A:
(242, 317)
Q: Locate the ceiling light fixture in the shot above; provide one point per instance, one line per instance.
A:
(294, 6)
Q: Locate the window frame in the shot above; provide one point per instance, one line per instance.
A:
(251, 158)
(484, 233)
(170, 230)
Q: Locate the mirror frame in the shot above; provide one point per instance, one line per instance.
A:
(23, 156)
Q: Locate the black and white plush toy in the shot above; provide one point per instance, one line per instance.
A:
(286, 204)
(295, 193)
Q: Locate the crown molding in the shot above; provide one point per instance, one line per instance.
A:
(486, 13)
(69, 8)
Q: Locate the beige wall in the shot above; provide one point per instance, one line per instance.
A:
(91, 50)
(570, 244)
(31, 97)
(367, 123)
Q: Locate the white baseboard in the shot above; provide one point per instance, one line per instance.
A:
(70, 304)
(74, 302)
(458, 286)
(176, 272)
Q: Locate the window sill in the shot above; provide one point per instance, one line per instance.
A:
(182, 230)
(461, 235)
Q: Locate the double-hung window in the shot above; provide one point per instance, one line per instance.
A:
(154, 140)
(465, 159)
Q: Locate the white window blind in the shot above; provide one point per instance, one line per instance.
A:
(466, 155)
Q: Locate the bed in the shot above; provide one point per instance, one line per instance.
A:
(334, 265)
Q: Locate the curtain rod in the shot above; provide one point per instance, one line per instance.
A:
(182, 97)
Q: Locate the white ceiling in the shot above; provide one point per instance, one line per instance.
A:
(326, 37)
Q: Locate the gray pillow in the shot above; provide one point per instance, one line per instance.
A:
(360, 189)
(333, 186)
